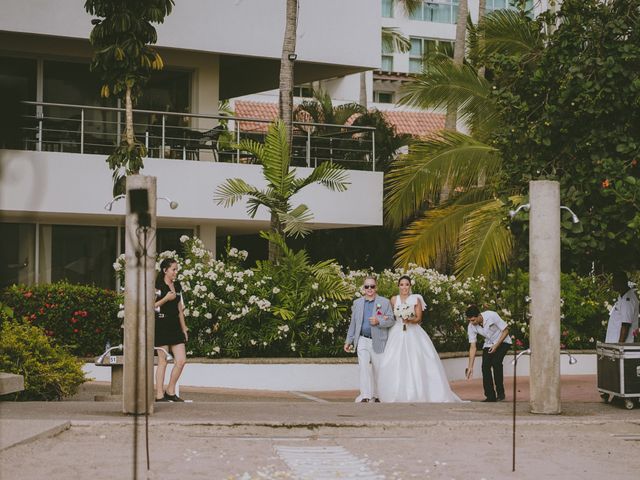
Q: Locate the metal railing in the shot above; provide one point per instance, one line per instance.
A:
(188, 136)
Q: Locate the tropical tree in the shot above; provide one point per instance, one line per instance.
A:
(555, 105)
(282, 184)
(469, 221)
(285, 98)
(121, 37)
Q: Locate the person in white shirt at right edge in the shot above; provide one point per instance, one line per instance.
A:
(497, 342)
(623, 318)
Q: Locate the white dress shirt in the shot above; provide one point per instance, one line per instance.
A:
(625, 310)
(491, 328)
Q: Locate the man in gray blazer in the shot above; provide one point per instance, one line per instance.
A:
(371, 317)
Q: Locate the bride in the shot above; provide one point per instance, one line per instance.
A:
(411, 370)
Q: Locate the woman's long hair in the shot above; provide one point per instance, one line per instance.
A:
(166, 263)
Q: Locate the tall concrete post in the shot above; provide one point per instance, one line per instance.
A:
(139, 299)
(544, 289)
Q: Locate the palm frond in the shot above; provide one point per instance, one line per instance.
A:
(511, 33)
(436, 232)
(251, 146)
(342, 113)
(485, 242)
(277, 239)
(445, 84)
(296, 221)
(276, 158)
(331, 175)
(453, 159)
(411, 6)
(232, 191)
(394, 41)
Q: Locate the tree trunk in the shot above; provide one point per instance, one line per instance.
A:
(129, 119)
(458, 58)
(274, 250)
(482, 9)
(363, 89)
(285, 104)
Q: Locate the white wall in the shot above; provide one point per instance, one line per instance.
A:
(239, 27)
(68, 185)
(323, 377)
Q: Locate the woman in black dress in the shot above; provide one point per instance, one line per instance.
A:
(171, 329)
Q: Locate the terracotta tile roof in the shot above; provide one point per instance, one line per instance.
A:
(418, 124)
(259, 110)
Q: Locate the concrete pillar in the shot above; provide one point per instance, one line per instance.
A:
(139, 289)
(207, 233)
(544, 288)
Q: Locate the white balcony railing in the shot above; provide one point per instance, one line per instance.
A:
(188, 136)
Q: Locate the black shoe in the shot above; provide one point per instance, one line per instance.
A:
(500, 398)
(376, 400)
(364, 400)
(489, 400)
(172, 398)
(162, 399)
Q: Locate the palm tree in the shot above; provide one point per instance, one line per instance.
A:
(470, 221)
(282, 185)
(122, 56)
(285, 101)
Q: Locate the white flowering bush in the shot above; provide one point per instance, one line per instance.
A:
(297, 308)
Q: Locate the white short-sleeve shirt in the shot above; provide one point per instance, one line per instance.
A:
(625, 310)
(491, 328)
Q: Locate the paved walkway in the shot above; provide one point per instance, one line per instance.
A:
(263, 434)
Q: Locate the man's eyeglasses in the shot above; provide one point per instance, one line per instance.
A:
(369, 286)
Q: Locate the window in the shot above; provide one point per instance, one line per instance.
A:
(437, 11)
(18, 80)
(17, 255)
(304, 91)
(423, 47)
(493, 5)
(83, 254)
(387, 8)
(386, 63)
(169, 239)
(383, 97)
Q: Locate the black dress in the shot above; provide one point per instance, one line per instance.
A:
(168, 329)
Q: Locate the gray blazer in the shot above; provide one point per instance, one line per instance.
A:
(380, 332)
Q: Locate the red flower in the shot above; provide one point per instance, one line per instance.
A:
(28, 294)
(32, 317)
(75, 330)
(519, 343)
(606, 183)
(98, 330)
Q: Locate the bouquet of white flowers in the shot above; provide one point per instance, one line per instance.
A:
(406, 312)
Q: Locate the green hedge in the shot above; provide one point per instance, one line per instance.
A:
(82, 318)
(299, 308)
(49, 371)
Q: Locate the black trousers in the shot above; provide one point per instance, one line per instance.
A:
(492, 377)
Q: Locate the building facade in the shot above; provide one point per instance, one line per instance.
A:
(56, 216)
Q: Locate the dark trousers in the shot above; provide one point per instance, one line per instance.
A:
(492, 378)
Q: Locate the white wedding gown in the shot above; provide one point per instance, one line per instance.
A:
(411, 370)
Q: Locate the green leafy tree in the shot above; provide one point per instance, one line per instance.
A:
(467, 224)
(558, 102)
(121, 37)
(574, 117)
(282, 185)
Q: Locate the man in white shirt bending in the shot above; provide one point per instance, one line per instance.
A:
(623, 318)
(495, 331)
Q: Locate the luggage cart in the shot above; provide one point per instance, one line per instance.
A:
(619, 372)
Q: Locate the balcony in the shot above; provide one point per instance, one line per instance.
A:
(56, 171)
(55, 127)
